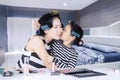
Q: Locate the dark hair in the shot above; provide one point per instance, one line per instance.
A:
(47, 19)
(78, 30)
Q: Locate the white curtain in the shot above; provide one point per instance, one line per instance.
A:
(19, 30)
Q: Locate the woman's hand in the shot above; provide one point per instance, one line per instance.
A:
(48, 62)
(48, 59)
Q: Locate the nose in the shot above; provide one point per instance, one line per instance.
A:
(60, 30)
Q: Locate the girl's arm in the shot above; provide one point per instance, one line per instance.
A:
(62, 64)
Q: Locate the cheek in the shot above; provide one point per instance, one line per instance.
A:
(64, 36)
(67, 34)
(51, 32)
(54, 35)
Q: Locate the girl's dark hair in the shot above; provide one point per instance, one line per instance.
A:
(76, 28)
(47, 19)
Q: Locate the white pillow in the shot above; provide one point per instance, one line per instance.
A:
(100, 47)
(89, 45)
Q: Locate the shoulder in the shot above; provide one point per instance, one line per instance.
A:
(36, 39)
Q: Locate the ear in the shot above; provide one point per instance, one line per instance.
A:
(72, 38)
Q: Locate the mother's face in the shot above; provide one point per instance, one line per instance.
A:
(56, 31)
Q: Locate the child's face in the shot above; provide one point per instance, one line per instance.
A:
(66, 33)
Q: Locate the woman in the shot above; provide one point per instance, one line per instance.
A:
(65, 55)
(35, 49)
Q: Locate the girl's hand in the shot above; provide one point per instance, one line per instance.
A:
(36, 25)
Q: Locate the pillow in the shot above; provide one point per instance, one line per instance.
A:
(89, 45)
(104, 48)
(100, 47)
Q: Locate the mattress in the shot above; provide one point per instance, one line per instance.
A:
(88, 55)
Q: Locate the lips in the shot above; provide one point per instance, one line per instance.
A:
(60, 35)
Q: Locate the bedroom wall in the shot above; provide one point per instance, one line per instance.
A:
(3, 27)
(112, 30)
(38, 12)
(100, 19)
(24, 12)
(108, 35)
(101, 13)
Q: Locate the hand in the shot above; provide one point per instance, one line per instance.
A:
(48, 59)
(36, 25)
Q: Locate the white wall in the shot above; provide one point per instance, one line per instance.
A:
(99, 31)
(110, 30)
(114, 29)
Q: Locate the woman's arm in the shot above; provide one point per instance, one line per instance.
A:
(39, 48)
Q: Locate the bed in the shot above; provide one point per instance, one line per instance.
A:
(87, 54)
(91, 53)
(94, 50)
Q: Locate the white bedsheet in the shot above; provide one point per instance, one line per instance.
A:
(11, 59)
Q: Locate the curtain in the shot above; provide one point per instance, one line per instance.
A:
(19, 31)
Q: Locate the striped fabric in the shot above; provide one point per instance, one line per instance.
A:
(64, 57)
(34, 60)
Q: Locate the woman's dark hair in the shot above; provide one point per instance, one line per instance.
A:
(47, 19)
(78, 31)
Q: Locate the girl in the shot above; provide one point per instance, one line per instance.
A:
(65, 55)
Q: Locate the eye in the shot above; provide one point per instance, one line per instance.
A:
(60, 26)
(55, 27)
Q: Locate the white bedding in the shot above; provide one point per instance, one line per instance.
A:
(11, 59)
